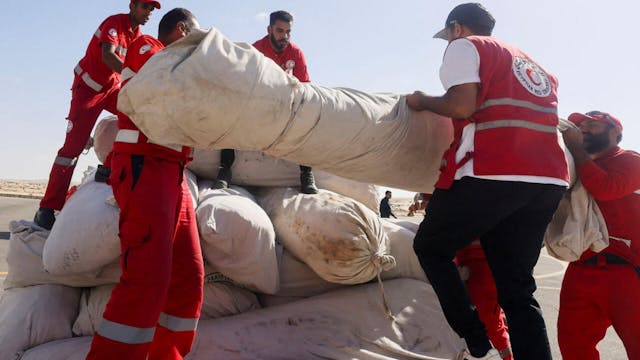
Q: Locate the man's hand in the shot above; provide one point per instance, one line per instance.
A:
(414, 100)
(573, 137)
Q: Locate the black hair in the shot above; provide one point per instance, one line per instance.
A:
(172, 18)
(280, 15)
(387, 192)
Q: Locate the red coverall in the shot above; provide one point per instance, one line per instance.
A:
(596, 294)
(95, 88)
(154, 309)
(483, 294)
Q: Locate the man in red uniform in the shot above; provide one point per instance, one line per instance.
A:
(501, 179)
(277, 46)
(95, 88)
(603, 289)
(154, 309)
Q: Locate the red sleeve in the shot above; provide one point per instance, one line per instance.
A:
(140, 50)
(109, 30)
(617, 178)
(300, 70)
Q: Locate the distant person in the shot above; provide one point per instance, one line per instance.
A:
(153, 311)
(277, 46)
(502, 179)
(95, 88)
(420, 201)
(603, 289)
(385, 207)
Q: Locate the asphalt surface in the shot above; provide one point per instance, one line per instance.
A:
(548, 272)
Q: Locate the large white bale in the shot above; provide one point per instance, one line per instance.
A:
(34, 315)
(401, 245)
(344, 324)
(339, 238)
(237, 238)
(104, 136)
(24, 258)
(208, 92)
(84, 237)
(192, 183)
(297, 279)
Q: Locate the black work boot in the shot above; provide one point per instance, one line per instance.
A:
(307, 182)
(102, 174)
(223, 179)
(44, 218)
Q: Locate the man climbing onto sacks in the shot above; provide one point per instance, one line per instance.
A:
(153, 311)
(501, 179)
(95, 88)
(277, 46)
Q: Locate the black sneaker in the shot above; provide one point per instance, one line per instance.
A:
(223, 180)
(44, 218)
(307, 183)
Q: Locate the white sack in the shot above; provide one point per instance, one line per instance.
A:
(345, 324)
(75, 348)
(237, 238)
(407, 224)
(297, 279)
(576, 226)
(208, 92)
(34, 315)
(401, 248)
(339, 238)
(221, 297)
(24, 258)
(84, 237)
(104, 136)
(92, 304)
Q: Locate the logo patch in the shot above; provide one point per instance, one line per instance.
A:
(69, 126)
(531, 77)
(144, 49)
(113, 32)
(290, 64)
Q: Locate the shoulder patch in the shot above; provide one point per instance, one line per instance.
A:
(113, 32)
(531, 77)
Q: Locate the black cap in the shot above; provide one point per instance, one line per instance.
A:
(473, 15)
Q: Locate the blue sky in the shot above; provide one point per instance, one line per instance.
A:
(374, 45)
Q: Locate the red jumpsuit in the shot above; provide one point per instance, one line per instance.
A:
(600, 290)
(154, 309)
(483, 294)
(95, 88)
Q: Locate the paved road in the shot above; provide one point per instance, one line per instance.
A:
(548, 272)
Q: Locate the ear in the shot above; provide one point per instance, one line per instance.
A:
(615, 132)
(269, 29)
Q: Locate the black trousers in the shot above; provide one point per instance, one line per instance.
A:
(510, 219)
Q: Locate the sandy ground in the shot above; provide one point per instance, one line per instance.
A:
(23, 188)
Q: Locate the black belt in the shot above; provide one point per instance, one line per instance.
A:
(606, 259)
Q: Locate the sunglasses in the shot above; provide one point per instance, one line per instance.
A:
(603, 115)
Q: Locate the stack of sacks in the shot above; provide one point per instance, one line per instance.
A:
(337, 325)
(251, 168)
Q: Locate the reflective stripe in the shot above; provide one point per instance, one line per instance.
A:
(516, 123)
(87, 79)
(121, 50)
(65, 161)
(175, 323)
(131, 137)
(519, 103)
(126, 74)
(125, 333)
(98, 33)
(637, 192)
(626, 241)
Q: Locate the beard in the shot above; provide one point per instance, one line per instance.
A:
(595, 143)
(278, 45)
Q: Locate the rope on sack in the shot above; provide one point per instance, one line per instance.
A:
(390, 262)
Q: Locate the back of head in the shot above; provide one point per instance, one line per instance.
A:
(474, 16)
(280, 15)
(171, 19)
